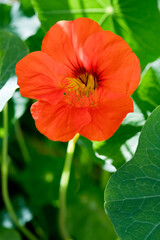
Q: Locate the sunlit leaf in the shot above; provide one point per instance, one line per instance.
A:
(136, 21)
(147, 94)
(20, 105)
(132, 195)
(6, 92)
(12, 49)
(21, 24)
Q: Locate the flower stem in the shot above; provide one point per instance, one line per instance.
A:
(4, 173)
(63, 187)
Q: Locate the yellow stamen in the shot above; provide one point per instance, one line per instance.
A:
(90, 83)
(84, 84)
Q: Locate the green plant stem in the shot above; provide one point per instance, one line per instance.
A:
(63, 187)
(4, 173)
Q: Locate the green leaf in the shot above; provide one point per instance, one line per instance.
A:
(149, 90)
(22, 25)
(6, 234)
(34, 42)
(20, 105)
(136, 21)
(86, 144)
(27, 8)
(7, 91)
(12, 49)
(86, 216)
(21, 209)
(5, 17)
(132, 195)
(41, 175)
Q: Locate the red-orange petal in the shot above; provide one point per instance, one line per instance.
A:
(105, 120)
(117, 67)
(64, 41)
(39, 77)
(59, 122)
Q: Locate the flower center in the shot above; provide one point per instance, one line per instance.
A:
(84, 84)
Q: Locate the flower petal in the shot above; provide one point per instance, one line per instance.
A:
(39, 77)
(117, 67)
(64, 40)
(59, 122)
(105, 120)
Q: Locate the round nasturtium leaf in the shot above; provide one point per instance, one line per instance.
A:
(132, 196)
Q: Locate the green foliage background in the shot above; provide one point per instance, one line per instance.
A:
(132, 194)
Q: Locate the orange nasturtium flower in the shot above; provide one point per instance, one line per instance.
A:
(82, 78)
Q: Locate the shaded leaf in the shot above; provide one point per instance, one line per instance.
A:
(5, 17)
(87, 145)
(86, 217)
(41, 178)
(6, 234)
(22, 212)
(35, 41)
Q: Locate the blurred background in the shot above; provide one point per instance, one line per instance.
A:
(35, 163)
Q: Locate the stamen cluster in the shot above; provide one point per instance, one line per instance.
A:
(84, 84)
